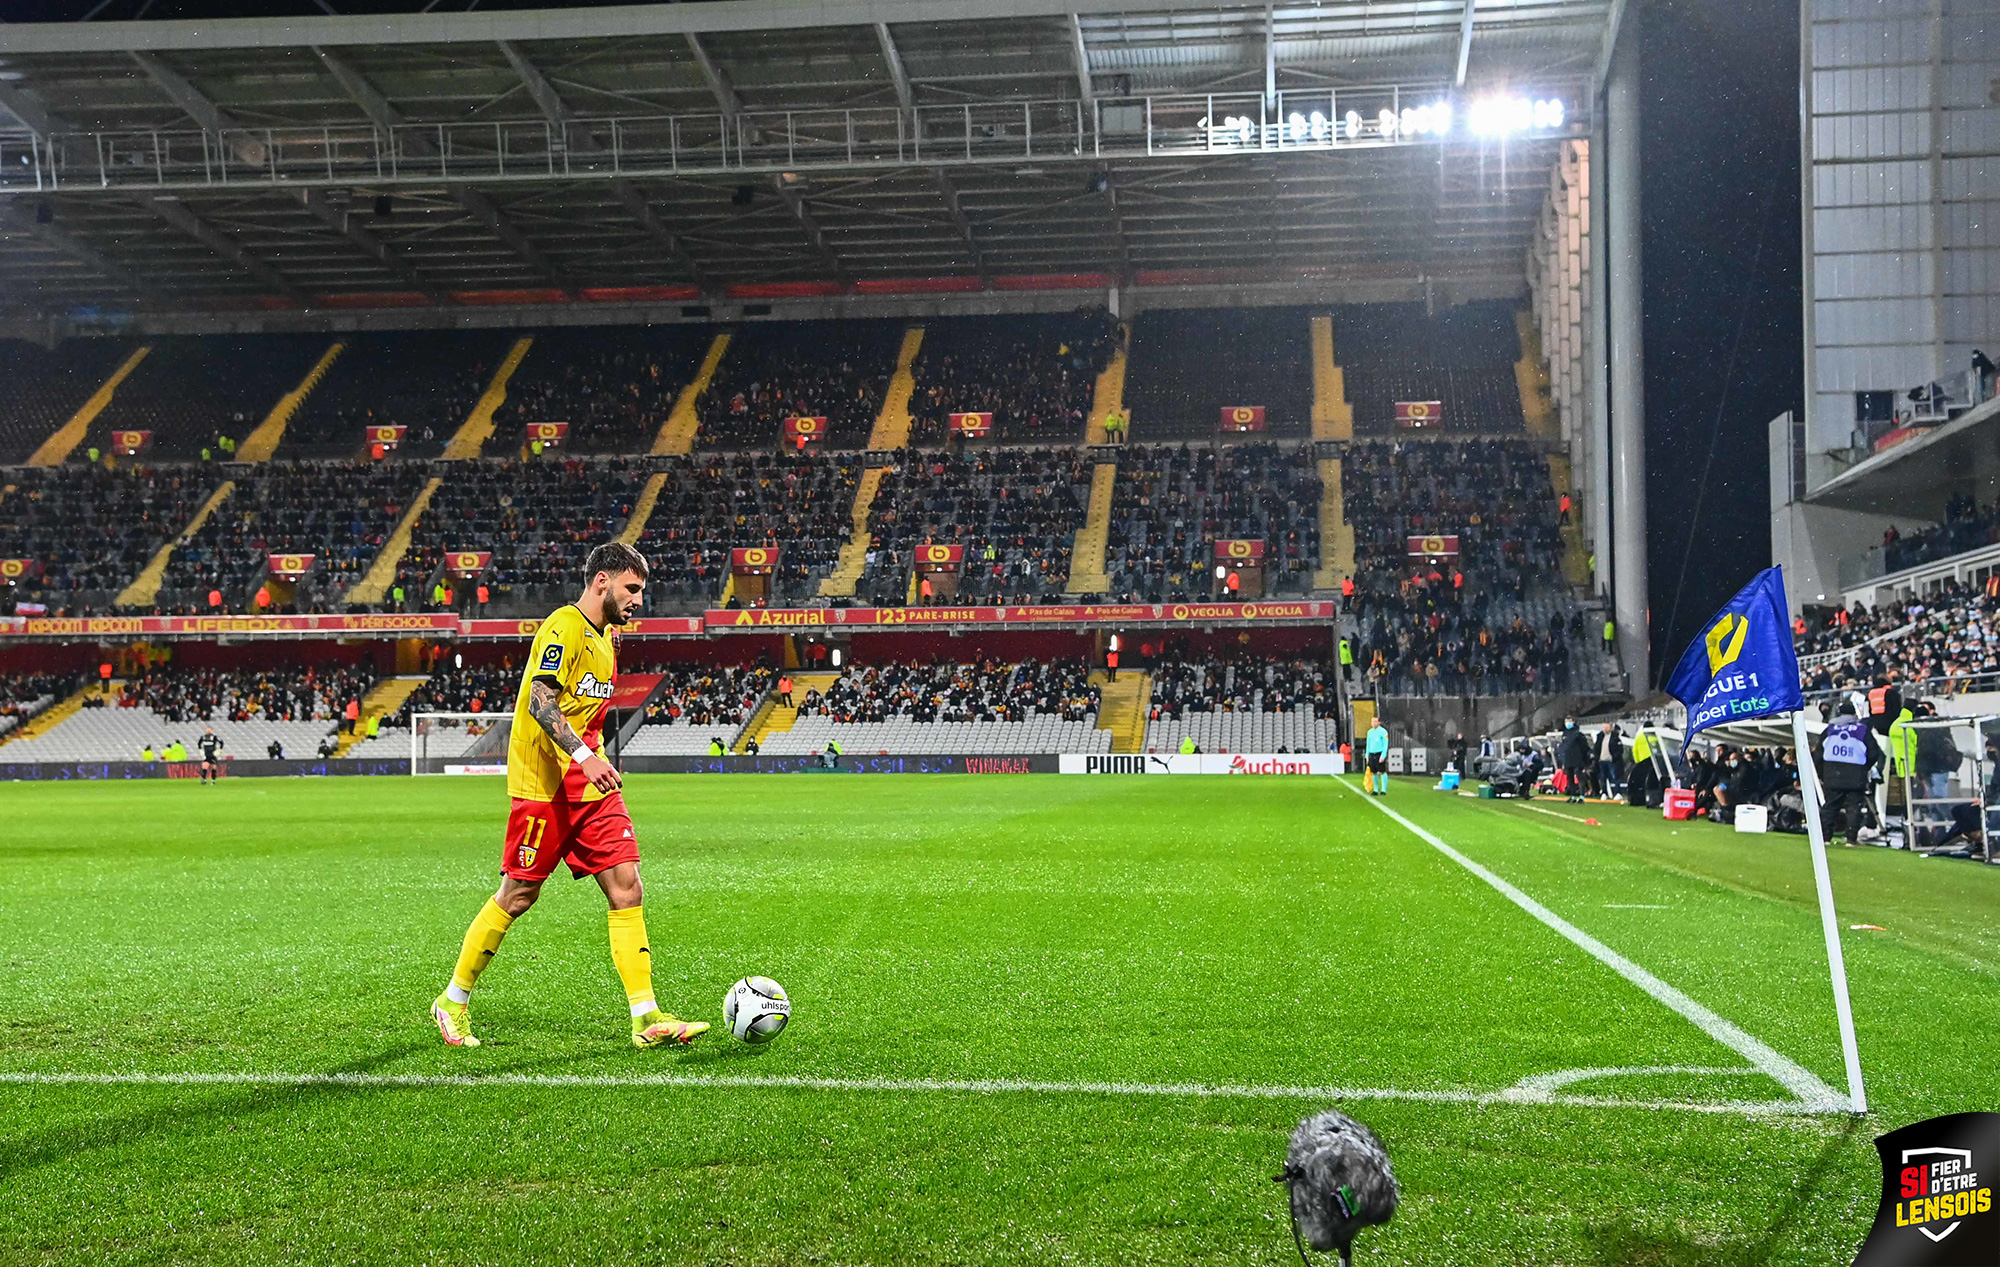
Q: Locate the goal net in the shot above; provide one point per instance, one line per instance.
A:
(459, 743)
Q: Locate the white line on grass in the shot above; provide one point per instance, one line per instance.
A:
(1794, 1077)
(1521, 1093)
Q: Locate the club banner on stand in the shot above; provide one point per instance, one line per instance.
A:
(810, 428)
(468, 563)
(13, 571)
(1243, 417)
(387, 436)
(290, 567)
(1435, 546)
(1238, 551)
(754, 560)
(1419, 413)
(551, 434)
(973, 426)
(130, 442)
(947, 558)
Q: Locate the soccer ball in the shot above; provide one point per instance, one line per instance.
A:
(756, 1009)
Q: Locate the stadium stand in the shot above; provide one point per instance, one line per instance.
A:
(45, 386)
(1014, 510)
(1186, 365)
(1496, 618)
(297, 708)
(1033, 374)
(24, 695)
(451, 689)
(836, 369)
(1967, 526)
(539, 517)
(339, 512)
(712, 503)
(426, 380)
(1242, 704)
(90, 529)
(1171, 504)
(192, 390)
(1462, 356)
(951, 708)
(613, 385)
(697, 704)
(1938, 643)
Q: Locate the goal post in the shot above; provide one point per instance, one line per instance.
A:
(459, 743)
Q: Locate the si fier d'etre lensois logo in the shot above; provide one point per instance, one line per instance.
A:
(1937, 1195)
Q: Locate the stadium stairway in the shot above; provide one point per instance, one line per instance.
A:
(1122, 707)
(772, 717)
(846, 574)
(262, 442)
(1086, 556)
(893, 421)
(1108, 395)
(676, 438)
(1531, 377)
(477, 428)
(145, 587)
(1335, 533)
(55, 450)
(55, 714)
(381, 574)
(1333, 416)
(642, 508)
(382, 700)
(1576, 555)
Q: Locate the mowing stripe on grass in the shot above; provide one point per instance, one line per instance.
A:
(1794, 1077)
(1527, 1093)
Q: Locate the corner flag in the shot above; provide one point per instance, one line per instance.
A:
(1743, 665)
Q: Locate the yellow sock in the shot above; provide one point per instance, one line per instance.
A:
(633, 958)
(481, 940)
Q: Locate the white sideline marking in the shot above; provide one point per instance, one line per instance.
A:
(1551, 813)
(1538, 1087)
(1636, 906)
(983, 1086)
(1794, 1077)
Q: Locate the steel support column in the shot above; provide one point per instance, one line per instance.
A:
(1628, 364)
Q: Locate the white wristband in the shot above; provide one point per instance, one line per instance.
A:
(581, 753)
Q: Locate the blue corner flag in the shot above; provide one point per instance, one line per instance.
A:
(1743, 665)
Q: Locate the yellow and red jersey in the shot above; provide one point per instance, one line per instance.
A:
(580, 656)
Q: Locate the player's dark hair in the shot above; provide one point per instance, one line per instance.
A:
(614, 557)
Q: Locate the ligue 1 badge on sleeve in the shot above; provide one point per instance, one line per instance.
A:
(1937, 1195)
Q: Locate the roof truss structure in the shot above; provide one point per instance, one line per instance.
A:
(745, 144)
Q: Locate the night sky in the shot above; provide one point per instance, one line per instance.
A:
(1721, 168)
(1721, 154)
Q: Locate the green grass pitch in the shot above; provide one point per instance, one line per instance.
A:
(1038, 1020)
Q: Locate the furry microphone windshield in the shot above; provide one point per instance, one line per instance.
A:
(1340, 1182)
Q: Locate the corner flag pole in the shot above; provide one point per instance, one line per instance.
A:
(1809, 787)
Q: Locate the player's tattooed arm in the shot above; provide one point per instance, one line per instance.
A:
(542, 707)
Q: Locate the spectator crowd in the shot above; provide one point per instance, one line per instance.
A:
(1016, 512)
(1171, 504)
(987, 691)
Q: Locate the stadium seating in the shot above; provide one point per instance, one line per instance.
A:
(1170, 505)
(835, 369)
(951, 708)
(295, 707)
(695, 705)
(1967, 526)
(426, 380)
(486, 689)
(91, 529)
(1242, 704)
(1033, 374)
(46, 386)
(1014, 510)
(712, 503)
(22, 696)
(540, 518)
(1188, 364)
(1462, 356)
(1933, 644)
(192, 389)
(613, 385)
(340, 512)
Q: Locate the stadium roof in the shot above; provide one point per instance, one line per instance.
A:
(775, 147)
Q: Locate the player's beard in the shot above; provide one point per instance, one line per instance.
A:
(615, 613)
